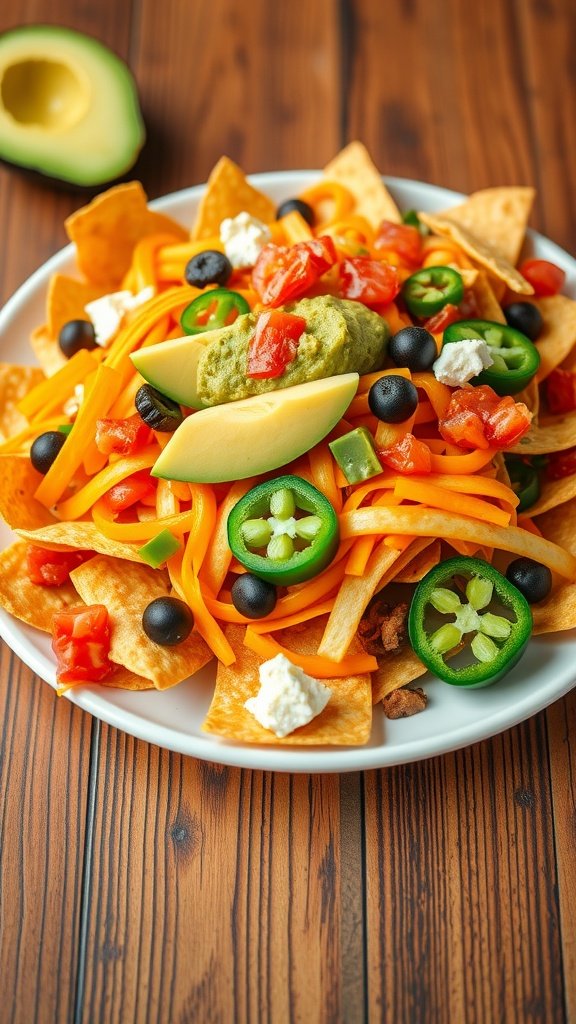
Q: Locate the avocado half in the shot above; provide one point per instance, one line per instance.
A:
(68, 106)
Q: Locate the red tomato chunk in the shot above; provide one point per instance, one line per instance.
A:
(52, 568)
(403, 239)
(479, 418)
(123, 437)
(546, 278)
(282, 272)
(561, 464)
(274, 344)
(408, 455)
(368, 281)
(138, 487)
(561, 391)
(81, 643)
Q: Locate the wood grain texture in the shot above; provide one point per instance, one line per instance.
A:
(145, 887)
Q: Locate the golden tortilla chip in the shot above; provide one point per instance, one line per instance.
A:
(47, 350)
(497, 216)
(486, 302)
(122, 679)
(353, 168)
(66, 300)
(552, 494)
(107, 229)
(126, 589)
(227, 194)
(79, 535)
(478, 250)
(558, 524)
(554, 434)
(29, 601)
(558, 611)
(397, 669)
(345, 721)
(530, 395)
(15, 382)
(558, 335)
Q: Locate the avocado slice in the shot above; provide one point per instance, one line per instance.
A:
(257, 434)
(172, 367)
(68, 106)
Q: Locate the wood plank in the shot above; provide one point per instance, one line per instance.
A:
(44, 764)
(461, 886)
(238, 56)
(561, 722)
(215, 893)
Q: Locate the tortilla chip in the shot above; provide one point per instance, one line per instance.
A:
(18, 481)
(530, 395)
(552, 494)
(28, 601)
(346, 720)
(107, 229)
(15, 382)
(66, 300)
(47, 350)
(420, 564)
(79, 535)
(558, 335)
(227, 194)
(478, 250)
(487, 304)
(554, 434)
(497, 216)
(126, 589)
(396, 669)
(353, 168)
(122, 679)
(557, 613)
(558, 523)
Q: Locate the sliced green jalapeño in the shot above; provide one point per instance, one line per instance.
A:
(525, 481)
(515, 358)
(284, 531)
(216, 308)
(429, 290)
(451, 607)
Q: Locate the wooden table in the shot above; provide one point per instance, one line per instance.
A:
(138, 885)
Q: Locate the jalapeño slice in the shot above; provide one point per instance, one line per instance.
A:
(284, 531)
(429, 290)
(216, 308)
(515, 358)
(451, 607)
(525, 481)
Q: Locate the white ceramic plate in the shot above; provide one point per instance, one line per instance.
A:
(172, 718)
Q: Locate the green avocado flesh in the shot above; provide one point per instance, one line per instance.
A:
(68, 106)
(340, 337)
(172, 367)
(257, 434)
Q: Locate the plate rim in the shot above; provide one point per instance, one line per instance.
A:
(313, 760)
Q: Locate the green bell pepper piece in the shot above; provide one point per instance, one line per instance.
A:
(159, 549)
(284, 531)
(355, 454)
(496, 641)
(516, 358)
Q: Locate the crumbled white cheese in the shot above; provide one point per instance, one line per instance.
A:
(459, 361)
(71, 406)
(108, 312)
(243, 237)
(288, 698)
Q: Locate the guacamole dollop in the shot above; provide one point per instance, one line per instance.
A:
(341, 336)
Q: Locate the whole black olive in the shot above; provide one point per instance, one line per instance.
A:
(525, 317)
(290, 205)
(45, 449)
(208, 267)
(77, 334)
(531, 578)
(413, 347)
(393, 398)
(252, 596)
(167, 621)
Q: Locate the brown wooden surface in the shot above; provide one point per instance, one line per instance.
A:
(137, 885)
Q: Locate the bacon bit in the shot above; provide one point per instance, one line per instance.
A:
(382, 630)
(403, 703)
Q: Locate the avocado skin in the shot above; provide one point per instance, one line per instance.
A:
(64, 45)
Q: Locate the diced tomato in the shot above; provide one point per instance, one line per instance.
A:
(440, 321)
(561, 391)
(123, 437)
(52, 568)
(368, 281)
(404, 239)
(134, 488)
(479, 418)
(561, 464)
(410, 455)
(546, 278)
(284, 272)
(274, 343)
(81, 643)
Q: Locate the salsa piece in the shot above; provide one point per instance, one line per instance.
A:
(477, 417)
(369, 281)
(81, 643)
(284, 531)
(52, 568)
(274, 343)
(451, 606)
(282, 272)
(122, 437)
